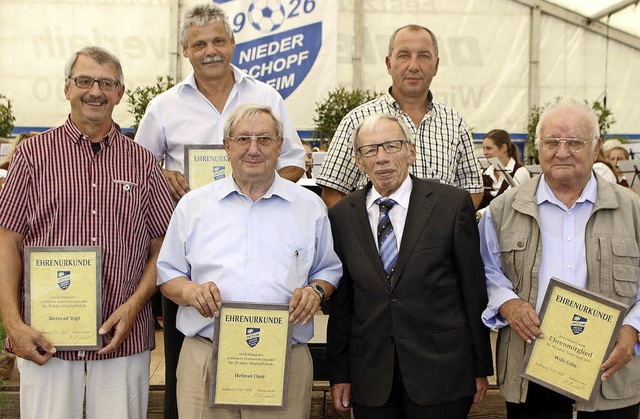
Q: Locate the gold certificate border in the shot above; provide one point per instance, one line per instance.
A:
(192, 170)
(540, 356)
(39, 287)
(221, 389)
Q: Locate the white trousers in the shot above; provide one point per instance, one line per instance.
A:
(115, 388)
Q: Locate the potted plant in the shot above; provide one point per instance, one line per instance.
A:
(6, 117)
(140, 97)
(336, 106)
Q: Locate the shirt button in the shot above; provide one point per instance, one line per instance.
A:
(93, 239)
(93, 185)
(94, 212)
(568, 238)
(569, 266)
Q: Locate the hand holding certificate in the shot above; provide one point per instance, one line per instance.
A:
(63, 295)
(580, 328)
(252, 348)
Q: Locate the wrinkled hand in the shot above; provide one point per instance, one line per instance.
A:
(341, 394)
(522, 318)
(178, 185)
(303, 305)
(29, 344)
(205, 298)
(117, 328)
(482, 385)
(623, 352)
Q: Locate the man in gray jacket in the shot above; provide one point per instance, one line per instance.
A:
(570, 224)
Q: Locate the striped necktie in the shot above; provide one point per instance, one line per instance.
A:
(387, 247)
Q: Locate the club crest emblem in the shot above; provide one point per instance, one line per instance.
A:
(578, 324)
(218, 172)
(64, 279)
(253, 336)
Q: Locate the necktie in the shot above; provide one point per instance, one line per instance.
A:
(387, 247)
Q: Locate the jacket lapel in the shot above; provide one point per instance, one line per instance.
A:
(420, 209)
(363, 232)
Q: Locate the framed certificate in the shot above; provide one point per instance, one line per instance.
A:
(580, 329)
(63, 295)
(251, 357)
(204, 164)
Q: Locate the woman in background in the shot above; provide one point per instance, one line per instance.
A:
(497, 143)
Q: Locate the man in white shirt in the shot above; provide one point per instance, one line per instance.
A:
(271, 243)
(193, 112)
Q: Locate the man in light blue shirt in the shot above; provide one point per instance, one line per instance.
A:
(569, 224)
(253, 237)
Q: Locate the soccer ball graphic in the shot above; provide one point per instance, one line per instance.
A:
(266, 15)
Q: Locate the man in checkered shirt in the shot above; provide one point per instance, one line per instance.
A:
(443, 143)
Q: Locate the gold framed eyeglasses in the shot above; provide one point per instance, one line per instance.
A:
(574, 145)
(245, 140)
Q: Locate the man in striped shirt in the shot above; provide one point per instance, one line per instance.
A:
(85, 184)
(444, 147)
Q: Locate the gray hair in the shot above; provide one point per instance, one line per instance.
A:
(413, 28)
(202, 15)
(370, 124)
(99, 55)
(250, 110)
(591, 119)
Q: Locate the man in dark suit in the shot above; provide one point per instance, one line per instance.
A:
(405, 337)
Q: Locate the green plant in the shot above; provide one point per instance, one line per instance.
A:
(6, 117)
(140, 97)
(336, 106)
(605, 121)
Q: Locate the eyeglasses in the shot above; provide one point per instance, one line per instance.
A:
(574, 145)
(245, 140)
(390, 147)
(86, 82)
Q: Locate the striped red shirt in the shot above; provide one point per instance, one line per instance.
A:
(59, 193)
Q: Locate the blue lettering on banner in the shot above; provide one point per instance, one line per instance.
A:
(282, 60)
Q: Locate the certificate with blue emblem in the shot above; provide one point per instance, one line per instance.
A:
(251, 356)
(204, 164)
(63, 295)
(580, 328)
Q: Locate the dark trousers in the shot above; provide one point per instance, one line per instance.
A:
(543, 403)
(172, 345)
(400, 405)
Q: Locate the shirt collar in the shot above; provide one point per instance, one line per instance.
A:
(73, 133)
(545, 194)
(238, 75)
(401, 196)
(279, 187)
(394, 103)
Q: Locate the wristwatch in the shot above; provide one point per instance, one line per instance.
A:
(319, 290)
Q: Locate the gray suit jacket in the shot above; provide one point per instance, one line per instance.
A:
(427, 313)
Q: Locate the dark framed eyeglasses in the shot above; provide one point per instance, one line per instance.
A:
(86, 82)
(371, 150)
(245, 140)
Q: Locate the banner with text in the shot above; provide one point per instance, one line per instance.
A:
(288, 44)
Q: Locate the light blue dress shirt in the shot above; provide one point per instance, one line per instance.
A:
(562, 231)
(254, 251)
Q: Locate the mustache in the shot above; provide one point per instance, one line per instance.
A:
(96, 100)
(212, 59)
